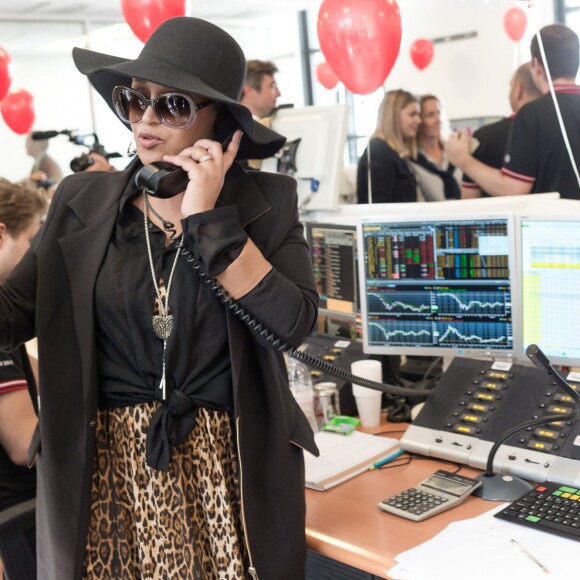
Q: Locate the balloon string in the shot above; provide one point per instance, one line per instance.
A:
(557, 107)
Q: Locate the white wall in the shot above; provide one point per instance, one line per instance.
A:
(471, 76)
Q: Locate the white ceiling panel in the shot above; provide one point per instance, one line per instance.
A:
(214, 10)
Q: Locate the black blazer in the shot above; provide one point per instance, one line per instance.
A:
(392, 180)
(50, 294)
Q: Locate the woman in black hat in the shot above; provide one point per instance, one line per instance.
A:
(170, 444)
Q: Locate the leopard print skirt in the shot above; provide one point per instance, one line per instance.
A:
(147, 524)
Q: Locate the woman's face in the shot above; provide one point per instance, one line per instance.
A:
(154, 139)
(431, 119)
(410, 119)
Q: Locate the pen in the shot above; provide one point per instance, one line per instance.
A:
(530, 556)
(388, 458)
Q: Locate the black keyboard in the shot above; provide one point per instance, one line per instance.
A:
(550, 507)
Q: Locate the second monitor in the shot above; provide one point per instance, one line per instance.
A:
(437, 285)
(313, 154)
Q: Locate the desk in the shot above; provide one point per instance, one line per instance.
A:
(345, 524)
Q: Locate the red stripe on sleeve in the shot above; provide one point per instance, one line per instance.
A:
(15, 385)
(518, 176)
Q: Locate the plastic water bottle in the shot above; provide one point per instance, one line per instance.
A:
(302, 389)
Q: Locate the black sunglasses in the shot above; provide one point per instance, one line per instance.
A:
(176, 110)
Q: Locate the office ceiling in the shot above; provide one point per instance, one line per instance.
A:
(110, 10)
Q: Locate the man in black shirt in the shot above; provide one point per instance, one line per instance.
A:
(536, 158)
(493, 138)
(21, 210)
(18, 409)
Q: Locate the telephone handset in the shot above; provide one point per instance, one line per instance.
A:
(166, 180)
(162, 179)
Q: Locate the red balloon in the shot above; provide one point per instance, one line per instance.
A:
(326, 76)
(5, 76)
(144, 16)
(360, 40)
(422, 53)
(18, 111)
(515, 22)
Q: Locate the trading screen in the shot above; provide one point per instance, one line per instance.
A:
(550, 262)
(438, 284)
(333, 255)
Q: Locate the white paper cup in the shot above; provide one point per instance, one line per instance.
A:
(368, 401)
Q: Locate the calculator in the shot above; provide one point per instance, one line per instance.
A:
(437, 493)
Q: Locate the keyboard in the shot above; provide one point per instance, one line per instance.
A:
(550, 507)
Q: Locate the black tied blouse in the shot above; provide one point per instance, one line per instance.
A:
(130, 356)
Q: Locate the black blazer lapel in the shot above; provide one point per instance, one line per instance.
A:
(83, 252)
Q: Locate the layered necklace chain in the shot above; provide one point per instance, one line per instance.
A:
(162, 323)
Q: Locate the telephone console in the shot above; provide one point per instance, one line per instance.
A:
(474, 403)
(340, 353)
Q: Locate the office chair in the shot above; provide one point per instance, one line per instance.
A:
(18, 542)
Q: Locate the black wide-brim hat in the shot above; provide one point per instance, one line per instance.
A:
(194, 56)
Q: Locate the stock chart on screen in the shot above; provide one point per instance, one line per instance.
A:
(434, 285)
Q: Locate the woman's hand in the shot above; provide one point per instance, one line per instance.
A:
(206, 165)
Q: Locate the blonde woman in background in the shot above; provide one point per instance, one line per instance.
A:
(437, 178)
(392, 145)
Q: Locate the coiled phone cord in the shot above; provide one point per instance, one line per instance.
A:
(276, 342)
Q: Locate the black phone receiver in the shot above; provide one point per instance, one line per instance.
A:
(162, 179)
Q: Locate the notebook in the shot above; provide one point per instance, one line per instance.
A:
(344, 456)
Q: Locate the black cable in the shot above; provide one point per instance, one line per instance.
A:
(437, 360)
(276, 342)
(400, 412)
(530, 423)
(390, 432)
(412, 457)
(256, 326)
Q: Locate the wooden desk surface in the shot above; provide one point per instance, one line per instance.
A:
(345, 524)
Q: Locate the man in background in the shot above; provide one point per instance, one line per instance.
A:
(536, 157)
(260, 91)
(45, 170)
(21, 210)
(493, 138)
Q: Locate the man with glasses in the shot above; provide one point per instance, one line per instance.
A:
(260, 94)
(260, 91)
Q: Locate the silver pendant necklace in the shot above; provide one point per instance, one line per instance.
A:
(162, 323)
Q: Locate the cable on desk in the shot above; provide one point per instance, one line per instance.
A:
(390, 432)
(399, 411)
(410, 457)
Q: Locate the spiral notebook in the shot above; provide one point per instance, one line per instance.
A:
(344, 456)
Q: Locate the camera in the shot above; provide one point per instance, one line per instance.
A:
(90, 140)
(83, 162)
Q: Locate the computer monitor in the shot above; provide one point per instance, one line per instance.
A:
(437, 285)
(484, 205)
(549, 263)
(473, 123)
(313, 154)
(333, 251)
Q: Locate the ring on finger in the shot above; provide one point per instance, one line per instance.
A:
(205, 157)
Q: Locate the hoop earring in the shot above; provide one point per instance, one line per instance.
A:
(132, 148)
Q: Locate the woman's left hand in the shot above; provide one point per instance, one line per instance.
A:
(206, 165)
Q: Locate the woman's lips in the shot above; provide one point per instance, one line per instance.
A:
(148, 140)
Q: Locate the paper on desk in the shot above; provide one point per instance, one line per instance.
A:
(480, 549)
(343, 456)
